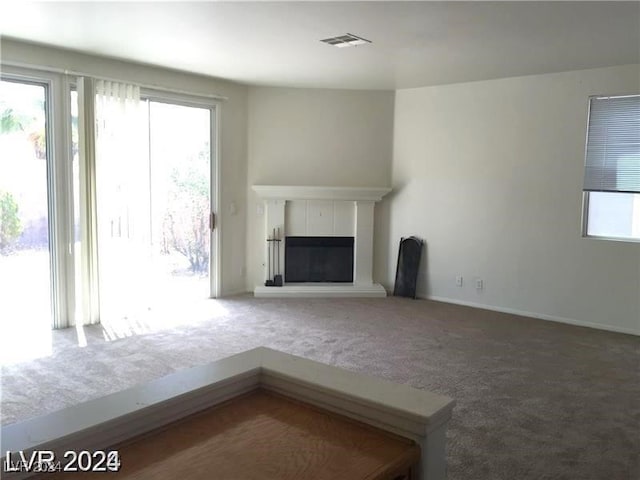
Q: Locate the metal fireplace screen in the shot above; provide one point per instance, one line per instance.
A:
(318, 259)
(408, 267)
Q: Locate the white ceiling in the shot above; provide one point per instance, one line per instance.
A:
(277, 43)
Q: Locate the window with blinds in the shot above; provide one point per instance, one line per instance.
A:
(612, 168)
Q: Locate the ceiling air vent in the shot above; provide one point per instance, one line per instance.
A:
(348, 40)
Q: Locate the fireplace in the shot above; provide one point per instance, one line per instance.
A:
(319, 259)
(328, 240)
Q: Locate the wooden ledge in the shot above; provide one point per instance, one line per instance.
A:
(106, 421)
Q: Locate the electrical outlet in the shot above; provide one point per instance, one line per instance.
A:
(479, 284)
(459, 281)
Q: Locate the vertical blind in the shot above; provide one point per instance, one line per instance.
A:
(88, 303)
(110, 152)
(612, 161)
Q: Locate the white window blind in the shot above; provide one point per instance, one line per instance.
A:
(613, 145)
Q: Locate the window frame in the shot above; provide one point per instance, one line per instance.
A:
(585, 194)
(59, 187)
(585, 225)
(214, 105)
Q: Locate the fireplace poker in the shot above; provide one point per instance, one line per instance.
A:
(268, 259)
(277, 279)
(269, 282)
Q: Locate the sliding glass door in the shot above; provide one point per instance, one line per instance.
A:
(153, 216)
(105, 205)
(25, 257)
(180, 180)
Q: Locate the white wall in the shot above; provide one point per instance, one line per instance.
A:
(233, 146)
(490, 175)
(313, 137)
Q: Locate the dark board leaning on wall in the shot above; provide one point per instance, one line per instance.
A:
(407, 269)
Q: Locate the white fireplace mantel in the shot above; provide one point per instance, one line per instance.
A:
(315, 210)
(294, 192)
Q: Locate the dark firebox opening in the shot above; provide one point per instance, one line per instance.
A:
(318, 259)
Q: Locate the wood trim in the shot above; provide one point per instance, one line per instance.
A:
(103, 422)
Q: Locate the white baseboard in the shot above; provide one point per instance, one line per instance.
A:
(231, 293)
(540, 316)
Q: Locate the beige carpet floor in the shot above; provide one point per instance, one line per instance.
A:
(535, 399)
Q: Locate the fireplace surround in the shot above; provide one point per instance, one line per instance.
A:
(311, 211)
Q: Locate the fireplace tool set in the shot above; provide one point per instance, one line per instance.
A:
(273, 260)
